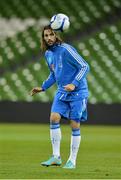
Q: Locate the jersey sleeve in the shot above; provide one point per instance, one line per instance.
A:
(49, 81)
(76, 60)
(51, 78)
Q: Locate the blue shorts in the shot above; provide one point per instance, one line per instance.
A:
(72, 110)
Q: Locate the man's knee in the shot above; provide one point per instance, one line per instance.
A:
(55, 117)
(74, 124)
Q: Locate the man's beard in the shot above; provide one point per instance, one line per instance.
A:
(51, 43)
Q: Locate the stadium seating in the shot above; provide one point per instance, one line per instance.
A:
(103, 54)
(22, 39)
(21, 67)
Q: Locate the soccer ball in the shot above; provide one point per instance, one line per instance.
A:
(60, 22)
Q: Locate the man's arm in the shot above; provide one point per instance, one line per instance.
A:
(75, 59)
(49, 81)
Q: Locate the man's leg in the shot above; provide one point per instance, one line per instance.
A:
(55, 136)
(55, 133)
(75, 143)
(59, 108)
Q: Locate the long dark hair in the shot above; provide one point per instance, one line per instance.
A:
(44, 45)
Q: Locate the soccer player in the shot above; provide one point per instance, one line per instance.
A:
(69, 70)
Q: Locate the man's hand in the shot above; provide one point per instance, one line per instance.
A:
(69, 87)
(35, 90)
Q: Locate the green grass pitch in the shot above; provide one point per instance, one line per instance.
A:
(24, 146)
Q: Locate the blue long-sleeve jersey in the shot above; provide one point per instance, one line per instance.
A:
(66, 67)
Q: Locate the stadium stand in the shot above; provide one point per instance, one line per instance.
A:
(21, 64)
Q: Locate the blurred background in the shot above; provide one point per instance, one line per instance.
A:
(95, 31)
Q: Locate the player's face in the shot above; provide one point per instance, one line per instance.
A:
(49, 37)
